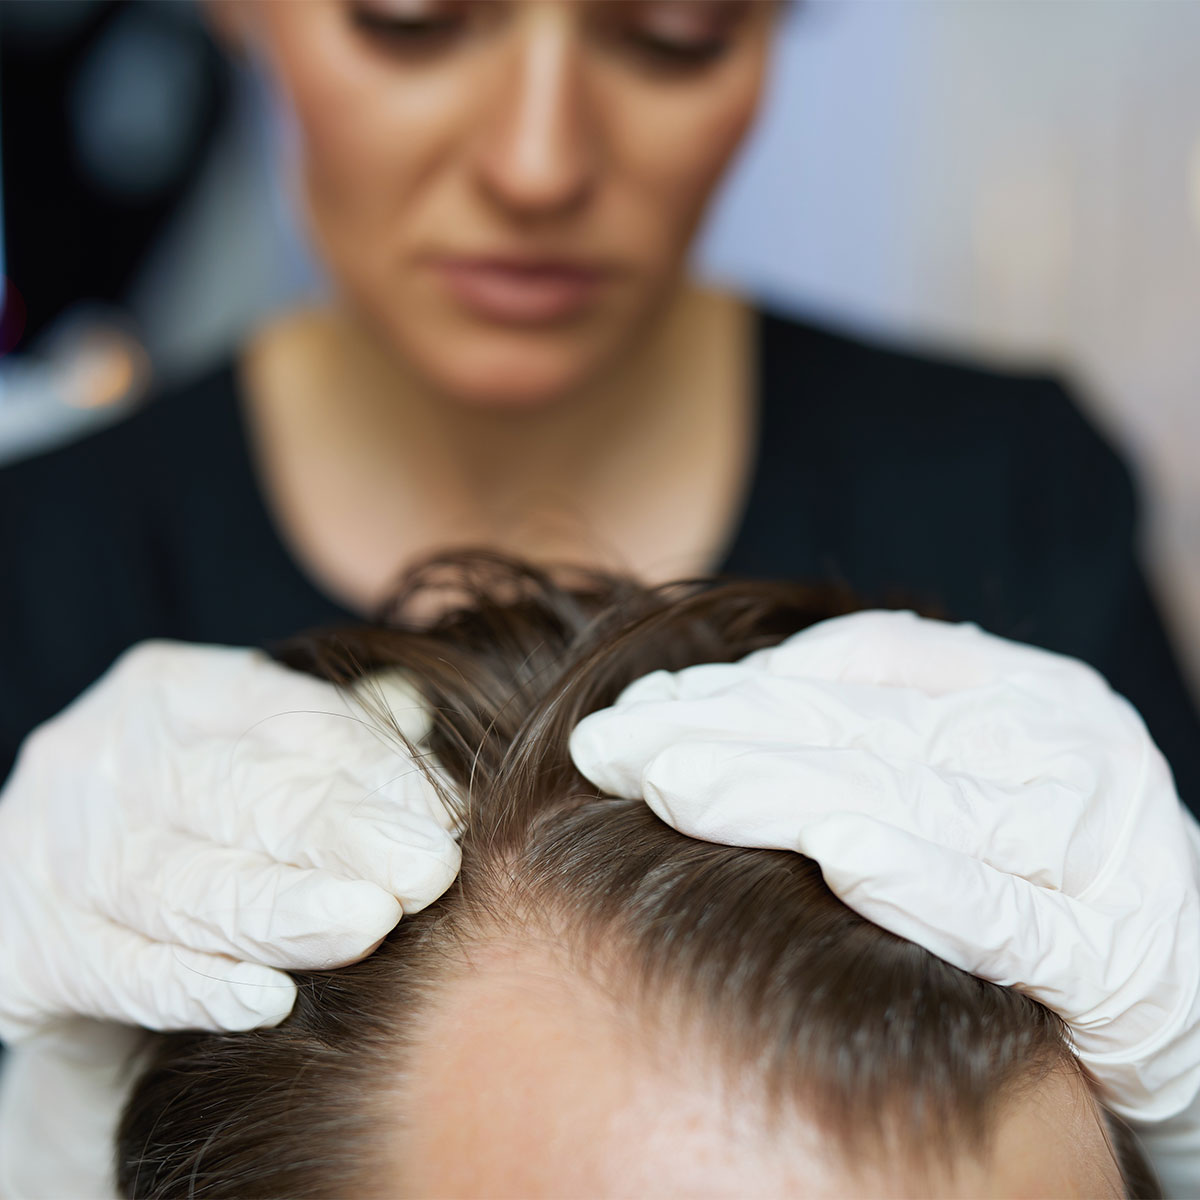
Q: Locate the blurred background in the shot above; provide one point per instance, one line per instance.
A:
(1018, 181)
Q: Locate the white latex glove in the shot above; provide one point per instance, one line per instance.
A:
(998, 804)
(61, 1096)
(195, 823)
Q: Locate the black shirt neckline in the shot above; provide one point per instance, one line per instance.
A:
(257, 507)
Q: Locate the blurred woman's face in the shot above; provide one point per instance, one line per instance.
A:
(505, 190)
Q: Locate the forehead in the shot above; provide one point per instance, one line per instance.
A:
(530, 1082)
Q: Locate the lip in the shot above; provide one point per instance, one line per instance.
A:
(516, 291)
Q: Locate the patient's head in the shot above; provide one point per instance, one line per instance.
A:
(601, 1006)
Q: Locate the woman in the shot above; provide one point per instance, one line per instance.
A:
(503, 195)
(603, 1007)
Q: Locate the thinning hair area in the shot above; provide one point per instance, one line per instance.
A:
(739, 958)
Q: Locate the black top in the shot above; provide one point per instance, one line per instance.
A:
(986, 494)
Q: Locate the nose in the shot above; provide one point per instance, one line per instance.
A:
(537, 153)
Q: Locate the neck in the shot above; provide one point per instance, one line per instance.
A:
(366, 466)
(491, 452)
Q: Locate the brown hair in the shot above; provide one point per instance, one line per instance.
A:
(816, 1002)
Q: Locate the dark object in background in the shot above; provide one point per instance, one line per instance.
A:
(107, 111)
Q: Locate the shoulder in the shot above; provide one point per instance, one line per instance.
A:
(897, 384)
(984, 490)
(83, 530)
(97, 503)
(124, 475)
(114, 459)
(895, 403)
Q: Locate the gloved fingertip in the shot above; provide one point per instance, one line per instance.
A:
(361, 912)
(356, 916)
(653, 688)
(596, 746)
(392, 695)
(264, 997)
(233, 996)
(428, 880)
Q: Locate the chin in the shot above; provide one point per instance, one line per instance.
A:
(508, 377)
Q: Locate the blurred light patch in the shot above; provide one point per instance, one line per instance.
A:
(98, 365)
(89, 370)
(135, 103)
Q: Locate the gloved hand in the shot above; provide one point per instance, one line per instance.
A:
(196, 822)
(995, 803)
